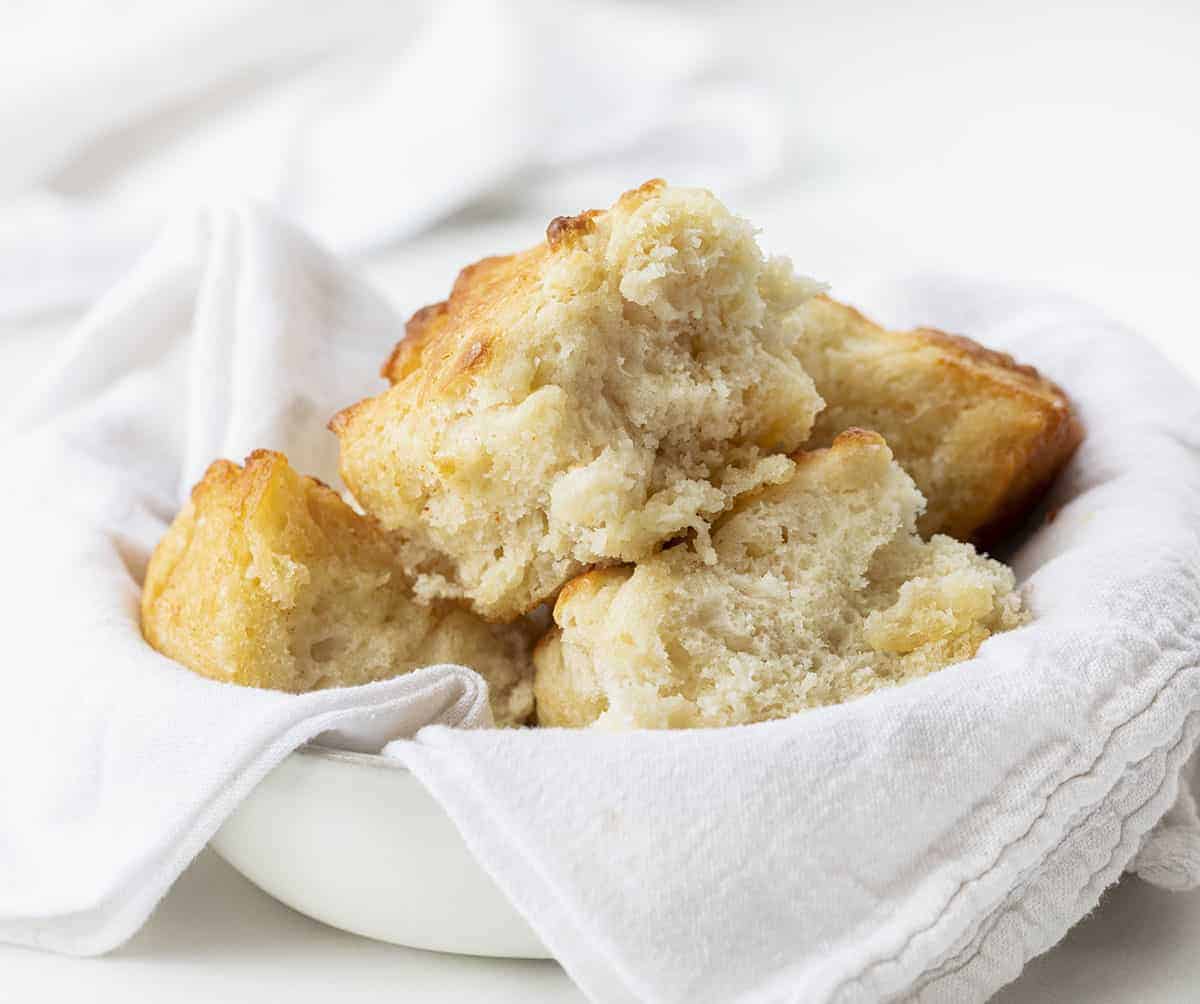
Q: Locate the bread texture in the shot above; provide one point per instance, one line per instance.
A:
(580, 403)
(822, 591)
(269, 579)
(981, 435)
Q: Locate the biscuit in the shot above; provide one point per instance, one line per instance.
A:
(822, 591)
(268, 579)
(981, 435)
(582, 402)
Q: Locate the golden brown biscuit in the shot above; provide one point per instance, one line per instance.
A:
(981, 435)
(268, 579)
(584, 401)
(822, 591)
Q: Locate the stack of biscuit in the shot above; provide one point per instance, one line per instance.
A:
(742, 498)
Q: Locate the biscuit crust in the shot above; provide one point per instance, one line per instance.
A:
(982, 435)
(269, 579)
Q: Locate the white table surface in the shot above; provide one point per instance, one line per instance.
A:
(1023, 140)
(216, 938)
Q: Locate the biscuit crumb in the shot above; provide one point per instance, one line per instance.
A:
(585, 401)
(822, 591)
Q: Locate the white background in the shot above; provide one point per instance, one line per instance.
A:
(1058, 146)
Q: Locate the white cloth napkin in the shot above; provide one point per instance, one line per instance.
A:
(365, 120)
(923, 842)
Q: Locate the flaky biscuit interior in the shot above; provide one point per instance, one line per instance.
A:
(822, 591)
(582, 402)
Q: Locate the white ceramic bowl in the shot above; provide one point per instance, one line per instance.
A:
(357, 842)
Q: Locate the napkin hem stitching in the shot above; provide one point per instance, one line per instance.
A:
(850, 981)
(1014, 903)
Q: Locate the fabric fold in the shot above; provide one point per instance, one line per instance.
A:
(366, 124)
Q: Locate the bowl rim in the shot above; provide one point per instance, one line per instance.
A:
(376, 760)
